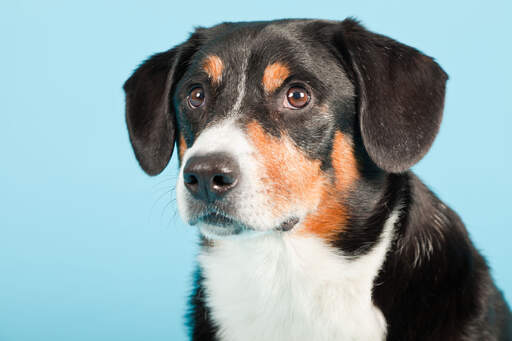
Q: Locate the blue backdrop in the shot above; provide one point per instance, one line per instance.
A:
(92, 249)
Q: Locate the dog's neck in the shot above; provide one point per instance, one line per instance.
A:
(282, 286)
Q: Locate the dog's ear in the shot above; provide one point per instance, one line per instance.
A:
(149, 110)
(400, 95)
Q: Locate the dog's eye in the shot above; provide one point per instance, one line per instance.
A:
(296, 98)
(196, 97)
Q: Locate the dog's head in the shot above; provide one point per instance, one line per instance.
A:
(284, 125)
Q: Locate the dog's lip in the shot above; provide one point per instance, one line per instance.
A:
(215, 217)
(222, 219)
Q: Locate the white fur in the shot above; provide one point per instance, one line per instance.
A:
(226, 137)
(240, 89)
(283, 286)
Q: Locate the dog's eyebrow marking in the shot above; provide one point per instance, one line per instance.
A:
(274, 75)
(213, 67)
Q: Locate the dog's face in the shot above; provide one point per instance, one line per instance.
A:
(257, 110)
(283, 126)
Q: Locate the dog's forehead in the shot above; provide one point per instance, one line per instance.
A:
(253, 47)
(244, 39)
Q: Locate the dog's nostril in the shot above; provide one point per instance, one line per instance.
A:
(223, 180)
(190, 179)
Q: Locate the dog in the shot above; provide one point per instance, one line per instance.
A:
(295, 140)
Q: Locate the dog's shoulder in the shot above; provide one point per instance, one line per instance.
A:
(435, 280)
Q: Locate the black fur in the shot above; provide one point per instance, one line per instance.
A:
(201, 326)
(434, 284)
(149, 114)
(388, 99)
(400, 96)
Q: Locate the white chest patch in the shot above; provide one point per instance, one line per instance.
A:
(280, 286)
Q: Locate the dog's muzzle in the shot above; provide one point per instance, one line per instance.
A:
(220, 187)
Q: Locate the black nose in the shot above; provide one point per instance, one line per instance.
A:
(209, 177)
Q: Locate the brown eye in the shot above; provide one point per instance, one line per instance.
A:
(297, 97)
(196, 97)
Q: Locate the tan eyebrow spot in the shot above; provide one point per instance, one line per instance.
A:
(274, 75)
(213, 67)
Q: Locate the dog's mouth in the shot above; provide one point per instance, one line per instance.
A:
(217, 219)
(218, 223)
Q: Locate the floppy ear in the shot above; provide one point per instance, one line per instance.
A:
(149, 111)
(400, 95)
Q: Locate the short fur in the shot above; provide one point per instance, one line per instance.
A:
(340, 240)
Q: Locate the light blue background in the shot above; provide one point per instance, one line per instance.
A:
(92, 249)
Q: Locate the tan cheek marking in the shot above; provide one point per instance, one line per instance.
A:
(182, 147)
(213, 67)
(332, 214)
(344, 162)
(290, 177)
(274, 75)
(329, 219)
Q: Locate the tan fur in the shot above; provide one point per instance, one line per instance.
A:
(331, 216)
(182, 147)
(344, 162)
(291, 178)
(213, 67)
(273, 76)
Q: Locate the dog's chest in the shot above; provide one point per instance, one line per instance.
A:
(278, 287)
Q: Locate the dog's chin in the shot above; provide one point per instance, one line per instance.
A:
(222, 227)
